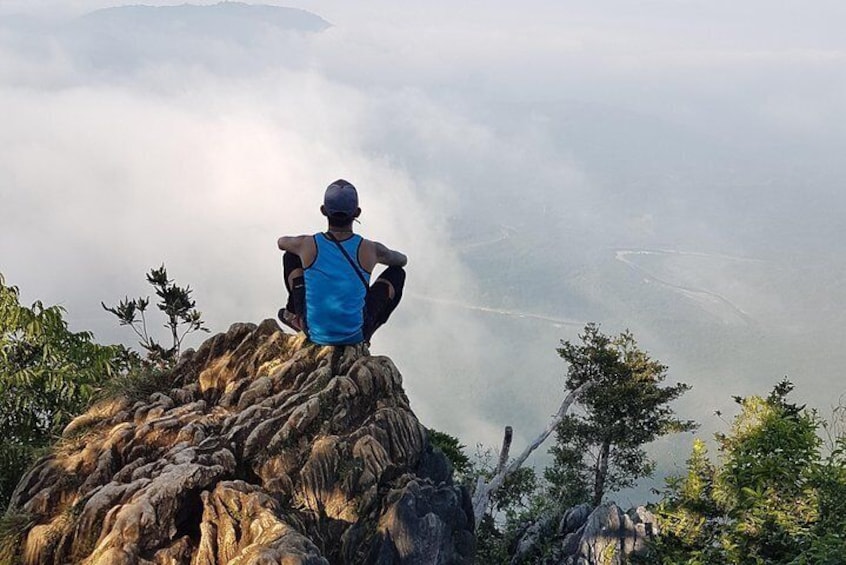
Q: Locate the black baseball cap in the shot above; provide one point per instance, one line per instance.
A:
(341, 199)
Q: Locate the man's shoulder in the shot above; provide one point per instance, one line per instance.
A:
(301, 237)
(369, 246)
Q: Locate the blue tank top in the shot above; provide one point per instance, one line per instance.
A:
(334, 293)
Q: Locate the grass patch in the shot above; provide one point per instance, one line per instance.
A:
(138, 384)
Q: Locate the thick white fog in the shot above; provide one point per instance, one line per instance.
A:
(672, 167)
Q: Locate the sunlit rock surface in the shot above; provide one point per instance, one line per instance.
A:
(266, 449)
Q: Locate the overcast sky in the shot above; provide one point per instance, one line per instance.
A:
(674, 167)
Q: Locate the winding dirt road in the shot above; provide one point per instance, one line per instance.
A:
(698, 294)
(498, 311)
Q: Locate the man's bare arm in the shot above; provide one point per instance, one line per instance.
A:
(389, 257)
(293, 243)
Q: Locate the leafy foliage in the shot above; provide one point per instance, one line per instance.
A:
(181, 314)
(491, 542)
(15, 459)
(453, 449)
(772, 499)
(48, 374)
(516, 496)
(601, 450)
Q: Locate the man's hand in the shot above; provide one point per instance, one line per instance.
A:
(389, 257)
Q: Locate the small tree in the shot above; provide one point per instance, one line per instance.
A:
(182, 317)
(624, 408)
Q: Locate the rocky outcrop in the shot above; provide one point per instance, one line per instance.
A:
(262, 448)
(604, 535)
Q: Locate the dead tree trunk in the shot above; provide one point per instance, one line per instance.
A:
(484, 490)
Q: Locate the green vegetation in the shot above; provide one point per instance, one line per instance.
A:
(773, 497)
(138, 383)
(454, 451)
(597, 451)
(510, 508)
(48, 374)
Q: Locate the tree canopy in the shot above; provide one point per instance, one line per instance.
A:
(48, 374)
(600, 450)
(771, 498)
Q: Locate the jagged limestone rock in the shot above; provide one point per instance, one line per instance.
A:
(574, 518)
(609, 535)
(265, 449)
(604, 535)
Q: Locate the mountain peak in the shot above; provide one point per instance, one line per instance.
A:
(258, 447)
(223, 17)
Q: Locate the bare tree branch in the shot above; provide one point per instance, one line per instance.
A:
(506, 447)
(485, 490)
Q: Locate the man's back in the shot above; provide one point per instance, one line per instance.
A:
(327, 276)
(336, 285)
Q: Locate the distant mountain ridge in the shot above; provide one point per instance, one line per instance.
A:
(227, 38)
(223, 17)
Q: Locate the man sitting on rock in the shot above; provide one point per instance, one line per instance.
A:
(328, 276)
